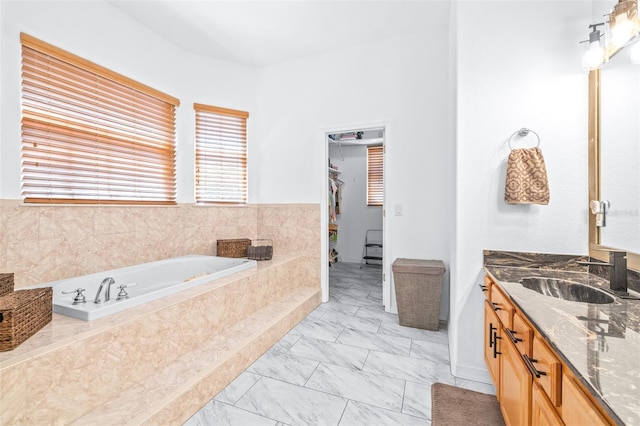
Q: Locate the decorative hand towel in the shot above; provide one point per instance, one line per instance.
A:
(526, 178)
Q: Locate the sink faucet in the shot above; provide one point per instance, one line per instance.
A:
(106, 283)
(617, 270)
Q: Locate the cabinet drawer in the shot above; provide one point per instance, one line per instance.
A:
(547, 371)
(521, 335)
(502, 306)
(486, 287)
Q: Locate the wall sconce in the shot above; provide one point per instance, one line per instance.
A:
(623, 22)
(594, 56)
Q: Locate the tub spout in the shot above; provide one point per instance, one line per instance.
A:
(106, 283)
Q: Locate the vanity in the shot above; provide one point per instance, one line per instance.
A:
(560, 358)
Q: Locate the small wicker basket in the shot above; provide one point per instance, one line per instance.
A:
(232, 248)
(22, 314)
(6, 284)
(260, 250)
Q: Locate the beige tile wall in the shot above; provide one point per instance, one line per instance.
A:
(46, 243)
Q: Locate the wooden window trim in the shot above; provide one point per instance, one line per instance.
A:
(220, 155)
(375, 188)
(90, 135)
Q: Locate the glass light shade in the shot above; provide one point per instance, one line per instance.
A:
(623, 24)
(593, 57)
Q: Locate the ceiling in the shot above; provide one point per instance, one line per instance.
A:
(267, 32)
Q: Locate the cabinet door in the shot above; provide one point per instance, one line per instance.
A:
(515, 387)
(542, 411)
(577, 409)
(492, 344)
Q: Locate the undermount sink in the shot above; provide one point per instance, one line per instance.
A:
(566, 290)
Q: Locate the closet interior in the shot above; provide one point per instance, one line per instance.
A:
(354, 198)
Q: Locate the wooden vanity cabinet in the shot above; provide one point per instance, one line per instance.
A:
(577, 408)
(532, 385)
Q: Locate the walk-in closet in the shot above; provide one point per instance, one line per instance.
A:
(355, 198)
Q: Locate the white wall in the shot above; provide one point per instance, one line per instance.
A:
(518, 65)
(356, 216)
(402, 81)
(100, 33)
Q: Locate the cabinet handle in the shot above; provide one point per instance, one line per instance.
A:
(513, 338)
(495, 344)
(483, 287)
(491, 334)
(495, 306)
(531, 367)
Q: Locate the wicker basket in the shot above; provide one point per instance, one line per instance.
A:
(6, 284)
(233, 248)
(418, 286)
(260, 250)
(22, 314)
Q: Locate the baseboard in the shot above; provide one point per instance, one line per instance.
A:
(471, 373)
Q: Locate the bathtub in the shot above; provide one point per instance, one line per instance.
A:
(145, 282)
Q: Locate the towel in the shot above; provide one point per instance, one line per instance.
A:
(526, 178)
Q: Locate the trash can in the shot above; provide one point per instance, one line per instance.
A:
(418, 284)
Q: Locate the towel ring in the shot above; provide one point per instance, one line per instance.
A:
(522, 133)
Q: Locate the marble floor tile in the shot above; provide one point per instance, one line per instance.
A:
(356, 301)
(377, 342)
(436, 352)
(318, 330)
(283, 366)
(356, 323)
(219, 413)
(376, 312)
(476, 386)
(373, 389)
(330, 353)
(336, 306)
(417, 400)
(395, 329)
(358, 414)
(232, 393)
(410, 369)
(286, 342)
(292, 405)
(353, 291)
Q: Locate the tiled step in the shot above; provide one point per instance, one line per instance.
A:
(172, 394)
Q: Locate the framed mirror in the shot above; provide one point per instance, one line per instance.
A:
(614, 156)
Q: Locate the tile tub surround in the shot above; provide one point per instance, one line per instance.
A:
(600, 343)
(42, 243)
(162, 361)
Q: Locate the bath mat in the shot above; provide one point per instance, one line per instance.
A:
(451, 405)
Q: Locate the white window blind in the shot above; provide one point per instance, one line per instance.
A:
(374, 175)
(90, 135)
(221, 155)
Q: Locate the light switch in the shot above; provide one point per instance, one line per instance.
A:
(397, 209)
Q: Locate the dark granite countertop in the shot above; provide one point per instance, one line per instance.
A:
(599, 342)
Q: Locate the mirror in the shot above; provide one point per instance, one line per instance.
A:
(620, 151)
(614, 156)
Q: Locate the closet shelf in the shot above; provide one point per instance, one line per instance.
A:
(332, 170)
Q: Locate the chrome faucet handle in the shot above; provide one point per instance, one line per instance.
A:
(122, 295)
(79, 299)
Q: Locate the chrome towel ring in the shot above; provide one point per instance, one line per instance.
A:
(522, 133)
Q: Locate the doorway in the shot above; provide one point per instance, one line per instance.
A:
(355, 205)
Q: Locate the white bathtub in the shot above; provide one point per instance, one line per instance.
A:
(152, 281)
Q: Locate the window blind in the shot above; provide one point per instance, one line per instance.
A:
(221, 155)
(374, 175)
(90, 135)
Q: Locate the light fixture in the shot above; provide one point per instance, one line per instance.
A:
(594, 56)
(623, 22)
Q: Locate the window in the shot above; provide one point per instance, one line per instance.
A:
(374, 175)
(90, 135)
(221, 155)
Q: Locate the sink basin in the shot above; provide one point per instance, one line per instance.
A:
(566, 290)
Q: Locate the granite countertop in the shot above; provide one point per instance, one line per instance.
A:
(599, 342)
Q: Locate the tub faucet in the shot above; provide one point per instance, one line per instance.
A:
(617, 270)
(106, 283)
